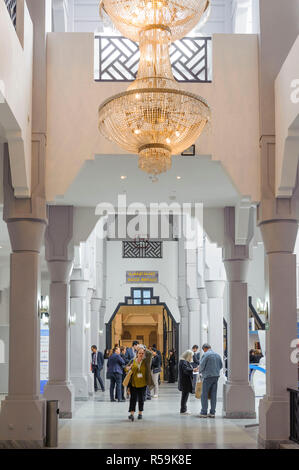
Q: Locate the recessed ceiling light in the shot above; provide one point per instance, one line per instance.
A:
(123, 177)
(178, 177)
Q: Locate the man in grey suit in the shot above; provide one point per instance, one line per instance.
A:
(97, 363)
(210, 367)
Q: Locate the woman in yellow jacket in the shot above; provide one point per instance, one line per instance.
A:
(141, 378)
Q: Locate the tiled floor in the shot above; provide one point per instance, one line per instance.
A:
(99, 423)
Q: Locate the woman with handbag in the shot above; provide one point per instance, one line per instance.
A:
(186, 379)
(156, 369)
(140, 378)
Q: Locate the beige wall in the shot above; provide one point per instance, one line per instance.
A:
(74, 97)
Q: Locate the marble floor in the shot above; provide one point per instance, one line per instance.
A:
(100, 424)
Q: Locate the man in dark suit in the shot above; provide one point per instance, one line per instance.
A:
(115, 366)
(97, 363)
(131, 352)
(195, 363)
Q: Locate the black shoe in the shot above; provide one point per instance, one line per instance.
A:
(131, 417)
(113, 400)
(96, 389)
(139, 416)
(121, 400)
(103, 390)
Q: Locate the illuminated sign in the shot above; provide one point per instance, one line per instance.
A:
(142, 277)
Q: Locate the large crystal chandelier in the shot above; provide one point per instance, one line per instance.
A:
(154, 117)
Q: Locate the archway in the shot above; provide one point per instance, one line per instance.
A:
(144, 318)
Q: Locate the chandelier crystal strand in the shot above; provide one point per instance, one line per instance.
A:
(154, 117)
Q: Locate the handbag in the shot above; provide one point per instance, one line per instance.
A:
(127, 378)
(198, 389)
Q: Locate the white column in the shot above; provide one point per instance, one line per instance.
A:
(95, 304)
(22, 418)
(239, 399)
(193, 301)
(202, 293)
(215, 292)
(60, 254)
(77, 348)
(279, 238)
(88, 342)
(183, 307)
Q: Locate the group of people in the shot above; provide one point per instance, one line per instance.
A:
(208, 370)
(135, 371)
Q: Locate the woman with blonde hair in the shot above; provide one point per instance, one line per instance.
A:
(141, 378)
(186, 378)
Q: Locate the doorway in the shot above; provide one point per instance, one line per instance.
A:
(144, 318)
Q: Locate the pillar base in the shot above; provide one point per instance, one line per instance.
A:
(65, 394)
(90, 380)
(274, 417)
(22, 424)
(238, 401)
(221, 385)
(81, 388)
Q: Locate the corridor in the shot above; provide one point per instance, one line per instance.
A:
(100, 424)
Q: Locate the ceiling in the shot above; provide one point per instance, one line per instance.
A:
(201, 180)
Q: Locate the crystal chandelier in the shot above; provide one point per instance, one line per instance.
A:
(154, 118)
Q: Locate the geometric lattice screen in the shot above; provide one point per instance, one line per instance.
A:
(117, 59)
(142, 249)
(12, 10)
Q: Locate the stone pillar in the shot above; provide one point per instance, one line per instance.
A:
(215, 291)
(95, 305)
(278, 221)
(60, 255)
(239, 398)
(183, 308)
(193, 301)
(203, 298)
(22, 418)
(78, 345)
(88, 342)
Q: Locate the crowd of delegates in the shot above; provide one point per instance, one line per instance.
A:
(135, 371)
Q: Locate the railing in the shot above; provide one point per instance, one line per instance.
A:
(12, 10)
(117, 58)
(260, 324)
(294, 415)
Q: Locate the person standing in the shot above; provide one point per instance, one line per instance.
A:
(171, 367)
(140, 379)
(97, 364)
(195, 363)
(131, 352)
(156, 369)
(154, 346)
(185, 379)
(210, 367)
(115, 373)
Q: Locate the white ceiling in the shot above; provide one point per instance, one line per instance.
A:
(99, 180)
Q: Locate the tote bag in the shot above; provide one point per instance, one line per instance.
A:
(127, 378)
(198, 389)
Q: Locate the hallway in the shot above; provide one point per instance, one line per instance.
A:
(99, 423)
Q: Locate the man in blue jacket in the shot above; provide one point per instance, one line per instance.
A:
(131, 352)
(115, 370)
(97, 363)
(210, 367)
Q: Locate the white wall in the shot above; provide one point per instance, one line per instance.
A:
(74, 97)
(166, 288)
(287, 123)
(16, 97)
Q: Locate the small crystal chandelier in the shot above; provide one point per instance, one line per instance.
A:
(154, 118)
